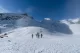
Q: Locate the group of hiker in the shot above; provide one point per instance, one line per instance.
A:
(38, 35)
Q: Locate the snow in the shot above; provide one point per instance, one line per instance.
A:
(47, 19)
(75, 28)
(75, 20)
(20, 41)
(71, 21)
(14, 21)
(58, 36)
(65, 21)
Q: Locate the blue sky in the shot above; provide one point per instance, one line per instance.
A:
(39, 9)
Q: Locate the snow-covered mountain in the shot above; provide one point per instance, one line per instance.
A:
(20, 41)
(23, 20)
(58, 36)
(71, 21)
(9, 21)
(74, 25)
(12, 20)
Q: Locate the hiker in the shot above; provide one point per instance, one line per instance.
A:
(1, 36)
(41, 35)
(37, 35)
(5, 34)
(32, 35)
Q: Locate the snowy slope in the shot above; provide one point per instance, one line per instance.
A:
(28, 31)
(74, 25)
(75, 28)
(20, 41)
(55, 26)
(58, 36)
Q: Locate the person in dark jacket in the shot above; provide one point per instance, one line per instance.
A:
(37, 35)
(32, 35)
(41, 35)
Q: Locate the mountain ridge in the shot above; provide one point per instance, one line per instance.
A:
(24, 20)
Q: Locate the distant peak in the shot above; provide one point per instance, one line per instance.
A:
(47, 19)
(75, 20)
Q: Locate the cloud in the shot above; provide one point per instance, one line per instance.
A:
(3, 10)
(28, 10)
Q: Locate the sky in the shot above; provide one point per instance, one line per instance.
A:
(39, 9)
